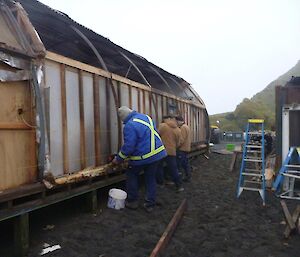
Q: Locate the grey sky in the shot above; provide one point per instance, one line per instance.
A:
(227, 49)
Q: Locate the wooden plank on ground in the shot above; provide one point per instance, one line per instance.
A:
(287, 215)
(295, 216)
(166, 236)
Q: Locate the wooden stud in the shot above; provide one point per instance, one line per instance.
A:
(130, 96)
(144, 101)
(119, 120)
(150, 103)
(156, 107)
(162, 106)
(166, 236)
(139, 100)
(82, 125)
(108, 124)
(21, 235)
(64, 118)
(91, 201)
(97, 126)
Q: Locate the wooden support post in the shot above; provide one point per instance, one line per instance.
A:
(165, 238)
(21, 235)
(91, 201)
(82, 123)
(64, 118)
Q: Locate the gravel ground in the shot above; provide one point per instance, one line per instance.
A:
(215, 224)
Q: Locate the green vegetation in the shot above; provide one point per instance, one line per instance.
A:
(260, 106)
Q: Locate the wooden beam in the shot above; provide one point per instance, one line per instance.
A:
(97, 121)
(144, 101)
(82, 125)
(64, 118)
(14, 126)
(108, 124)
(139, 100)
(287, 215)
(295, 216)
(21, 235)
(166, 236)
(91, 201)
(130, 96)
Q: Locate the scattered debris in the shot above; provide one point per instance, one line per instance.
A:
(50, 249)
(49, 227)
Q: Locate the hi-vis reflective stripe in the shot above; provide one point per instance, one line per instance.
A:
(153, 151)
(122, 155)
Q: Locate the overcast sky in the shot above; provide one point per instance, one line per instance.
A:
(227, 49)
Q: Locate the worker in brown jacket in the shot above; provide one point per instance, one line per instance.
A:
(184, 148)
(171, 137)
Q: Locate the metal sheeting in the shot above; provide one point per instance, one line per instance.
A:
(134, 94)
(87, 80)
(73, 119)
(53, 82)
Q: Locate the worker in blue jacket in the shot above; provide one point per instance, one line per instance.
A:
(143, 148)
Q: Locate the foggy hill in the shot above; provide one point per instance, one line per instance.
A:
(261, 105)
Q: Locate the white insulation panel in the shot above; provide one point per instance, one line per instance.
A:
(88, 104)
(73, 120)
(52, 78)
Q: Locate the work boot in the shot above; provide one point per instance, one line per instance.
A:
(149, 207)
(132, 205)
(179, 189)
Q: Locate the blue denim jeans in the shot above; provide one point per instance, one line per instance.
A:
(171, 168)
(132, 182)
(183, 162)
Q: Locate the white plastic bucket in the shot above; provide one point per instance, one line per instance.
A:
(116, 199)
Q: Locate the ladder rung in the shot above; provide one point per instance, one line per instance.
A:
(251, 174)
(253, 151)
(293, 172)
(251, 189)
(252, 160)
(291, 175)
(292, 166)
(255, 133)
(253, 182)
(253, 170)
(254, 146)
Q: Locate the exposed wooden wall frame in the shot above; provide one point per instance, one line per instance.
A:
(130, 96)
(96, 100)
(108, 127)
(82, 125)
(64, 118)
(82, 66)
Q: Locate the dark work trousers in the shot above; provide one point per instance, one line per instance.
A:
(132, 182)
(172, 168)
(183, 162)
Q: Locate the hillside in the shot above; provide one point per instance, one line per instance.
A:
(261, 105)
